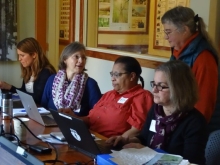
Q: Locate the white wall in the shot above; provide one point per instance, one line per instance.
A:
(201, 7)
(99, 70)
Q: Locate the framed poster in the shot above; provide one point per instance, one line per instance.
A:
(123, 16)
(161, 7)
(67, 21)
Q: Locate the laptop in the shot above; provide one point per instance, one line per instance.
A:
(78, 135)
(12, 154)
(32, 110)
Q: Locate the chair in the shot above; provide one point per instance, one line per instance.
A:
(212, 151)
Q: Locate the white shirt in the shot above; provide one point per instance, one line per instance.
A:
(29, 86)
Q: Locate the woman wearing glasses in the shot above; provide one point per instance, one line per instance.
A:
(71, 88)
(190, 43)
(123, 110)
(172, 124)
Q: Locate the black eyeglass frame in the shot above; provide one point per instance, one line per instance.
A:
(170, 32)
(116, 74)
(158, 87)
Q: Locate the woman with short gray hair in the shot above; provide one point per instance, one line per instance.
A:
(186, 33)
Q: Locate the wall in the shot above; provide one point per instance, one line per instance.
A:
(52, 31)
(99, 70)
(10, 71)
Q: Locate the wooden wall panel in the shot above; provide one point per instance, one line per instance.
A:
(41, 22)
(112, 57)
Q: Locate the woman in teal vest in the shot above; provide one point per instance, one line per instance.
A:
(190, 43)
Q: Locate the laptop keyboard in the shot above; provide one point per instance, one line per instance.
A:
(48, 120)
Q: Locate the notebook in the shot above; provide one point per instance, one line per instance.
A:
(32, 110)
(12, 154)
(78, 135)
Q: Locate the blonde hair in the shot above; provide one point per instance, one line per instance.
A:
(182, 84)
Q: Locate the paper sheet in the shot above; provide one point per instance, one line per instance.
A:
(22, 111)
(131, 156)
(48, 138)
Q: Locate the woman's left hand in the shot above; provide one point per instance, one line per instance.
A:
(134, 145)
(67, 111)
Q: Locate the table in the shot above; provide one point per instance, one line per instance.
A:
(65, 153)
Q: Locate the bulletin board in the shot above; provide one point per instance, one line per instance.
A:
(66, 21)
(161, 7)
(128, 16)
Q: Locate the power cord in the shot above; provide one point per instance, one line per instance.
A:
(55, 149)
(19, 142)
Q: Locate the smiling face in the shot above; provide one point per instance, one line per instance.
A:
(161, 97)
(175, 36)
(76, 62)
(121, 80)
(25, 59)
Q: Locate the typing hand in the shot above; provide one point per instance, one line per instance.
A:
(67, 111)
(4, 85)
(133, 145)
(117, 141)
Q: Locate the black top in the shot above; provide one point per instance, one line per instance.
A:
(38, 86)
(188, 139)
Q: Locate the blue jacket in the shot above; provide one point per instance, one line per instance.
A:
(90, 97)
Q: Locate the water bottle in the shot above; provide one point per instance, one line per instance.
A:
(7, 105)
(1, 123)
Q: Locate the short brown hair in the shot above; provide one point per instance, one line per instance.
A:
(68, 51)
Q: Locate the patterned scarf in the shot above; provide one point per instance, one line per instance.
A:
(165, 125)
(67, 95)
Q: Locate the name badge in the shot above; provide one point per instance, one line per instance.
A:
(78, 109)
(152, 126)
(122, 100)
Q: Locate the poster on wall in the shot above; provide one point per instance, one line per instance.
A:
(66, 21)
(161, 7)
(8, 30)
(123, 16)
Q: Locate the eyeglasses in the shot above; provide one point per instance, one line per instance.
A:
(159, 87)
(169, 32)
(116, 74)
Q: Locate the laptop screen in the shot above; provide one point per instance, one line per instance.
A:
(9, 155)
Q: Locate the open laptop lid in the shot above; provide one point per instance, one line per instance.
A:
(76, 134)
(30, 107)
(12, 154)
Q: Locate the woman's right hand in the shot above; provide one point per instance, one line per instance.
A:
(67, 111)
(4, 85)
(117, 140)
